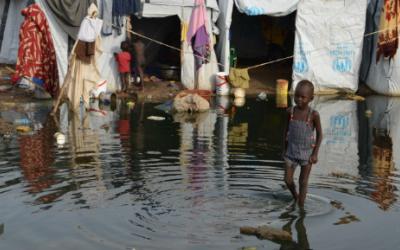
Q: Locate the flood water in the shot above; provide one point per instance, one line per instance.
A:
(122, 181)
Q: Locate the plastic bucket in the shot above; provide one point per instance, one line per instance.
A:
(282, 86)
(221, 84)
(282, 101)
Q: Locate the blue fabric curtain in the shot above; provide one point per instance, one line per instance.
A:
(4, 21)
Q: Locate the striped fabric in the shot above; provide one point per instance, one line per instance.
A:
(300, 138)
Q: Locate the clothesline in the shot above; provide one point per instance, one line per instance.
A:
(312, 51)
(257, 65)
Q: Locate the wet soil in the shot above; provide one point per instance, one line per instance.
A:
(262, 80)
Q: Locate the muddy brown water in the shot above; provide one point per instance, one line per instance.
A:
(122, 181)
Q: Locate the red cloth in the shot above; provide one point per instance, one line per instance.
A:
(124, 128)
(388, 39)
(124, 62)
(36, 54)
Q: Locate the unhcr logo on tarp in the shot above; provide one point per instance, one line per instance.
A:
(254, 11)
(339, 129)
(300, 64)
(342, 57)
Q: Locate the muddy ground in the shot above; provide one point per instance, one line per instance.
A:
(262, 80)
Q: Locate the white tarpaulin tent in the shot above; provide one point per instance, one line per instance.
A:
(13, 19)
(383, 76)
(183, 9)
(328, 43)
(250, 7)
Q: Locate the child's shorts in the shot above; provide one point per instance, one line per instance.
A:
(295, 162)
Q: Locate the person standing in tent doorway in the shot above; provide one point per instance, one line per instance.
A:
(140, 59)
(124, 65)
(300, 145)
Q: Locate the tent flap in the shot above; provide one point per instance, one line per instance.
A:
(328, 43)
(13, 20)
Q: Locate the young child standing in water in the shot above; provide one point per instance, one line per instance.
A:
(301, 147)
(124, 61)
(139, 53)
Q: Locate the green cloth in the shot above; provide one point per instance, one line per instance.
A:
(239, 78)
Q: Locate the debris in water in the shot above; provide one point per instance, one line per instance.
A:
(266, 232)
(347, 220)
(23, 129)
(60, 137)
(337, 204)
(354, 97)
(262, 96)
(156, 118)
(368, 113)
(249, 248)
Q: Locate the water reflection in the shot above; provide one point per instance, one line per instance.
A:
(199, 176)
(36, 159)
(302, 242)
(382, 149)
(339, 148)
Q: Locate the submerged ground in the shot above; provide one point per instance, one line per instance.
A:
(122, 181)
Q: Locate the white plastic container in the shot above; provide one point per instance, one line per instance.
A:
(221, 83)
(101, 87)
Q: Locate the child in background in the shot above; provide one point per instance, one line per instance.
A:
(301, 147)
(124, 61)
(139, 52)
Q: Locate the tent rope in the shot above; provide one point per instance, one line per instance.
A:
(257, 65)
(247, 68)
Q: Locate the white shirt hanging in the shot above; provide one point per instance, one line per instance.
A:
(90, 29)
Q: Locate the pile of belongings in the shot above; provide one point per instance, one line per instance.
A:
(190, 102)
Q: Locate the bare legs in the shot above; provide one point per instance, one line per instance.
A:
(289, 172)
(303, 182)
(141, 75)
(124, 81)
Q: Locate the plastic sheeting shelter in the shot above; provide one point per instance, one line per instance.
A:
(183, 9)
(10, 21)
(8, 54)
(328, 44)
(383, 76)
(250, 7)
(329, 38)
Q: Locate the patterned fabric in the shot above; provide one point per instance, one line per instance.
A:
(36, 54)
(388, 40)
(37, 157)
(300, 138)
